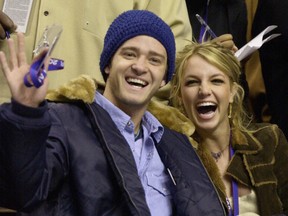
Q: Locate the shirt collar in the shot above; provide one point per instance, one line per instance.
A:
(121, 119)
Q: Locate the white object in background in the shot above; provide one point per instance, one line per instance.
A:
(255, 43)
(19, 11)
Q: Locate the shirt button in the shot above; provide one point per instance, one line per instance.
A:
(46, 13)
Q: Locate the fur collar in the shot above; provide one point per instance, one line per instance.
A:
(82, 88)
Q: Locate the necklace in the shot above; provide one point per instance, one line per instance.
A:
(217, 155)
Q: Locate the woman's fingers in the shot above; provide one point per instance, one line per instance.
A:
(226, 40)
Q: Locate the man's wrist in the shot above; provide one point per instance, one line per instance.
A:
(26, 111)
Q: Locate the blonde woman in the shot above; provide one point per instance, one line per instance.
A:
(247, 162)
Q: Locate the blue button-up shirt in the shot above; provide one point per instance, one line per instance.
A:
(151, 171)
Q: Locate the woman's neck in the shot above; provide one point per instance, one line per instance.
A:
(215, 141)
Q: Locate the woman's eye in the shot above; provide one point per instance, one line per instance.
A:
(218, 81)
(191, 82)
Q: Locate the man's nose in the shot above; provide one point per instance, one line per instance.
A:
(140, 65)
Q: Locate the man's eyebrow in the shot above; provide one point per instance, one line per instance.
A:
(157, 54)
(151, 52)
(129, 48)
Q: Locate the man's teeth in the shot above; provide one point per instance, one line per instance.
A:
(136, 81)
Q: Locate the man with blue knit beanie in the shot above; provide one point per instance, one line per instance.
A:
(133, 23)
(107, 155)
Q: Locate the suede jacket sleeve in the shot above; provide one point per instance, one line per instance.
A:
(281, 168)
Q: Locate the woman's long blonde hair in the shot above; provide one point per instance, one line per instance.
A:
(223, 59)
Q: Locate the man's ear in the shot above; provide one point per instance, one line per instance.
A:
(163, 83)
(107, 69)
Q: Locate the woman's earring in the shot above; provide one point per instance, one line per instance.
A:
(230, 111)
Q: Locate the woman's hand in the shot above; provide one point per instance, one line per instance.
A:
(16, 69)
(226, 40)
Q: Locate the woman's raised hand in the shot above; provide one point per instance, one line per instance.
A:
(226, 40)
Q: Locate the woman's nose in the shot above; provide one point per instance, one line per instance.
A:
(204, 89)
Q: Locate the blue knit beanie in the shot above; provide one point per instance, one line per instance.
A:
(133, 23)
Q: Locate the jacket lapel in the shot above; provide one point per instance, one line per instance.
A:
(121, 160)
(250, 161)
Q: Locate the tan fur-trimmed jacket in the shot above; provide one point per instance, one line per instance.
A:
(260, 161)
